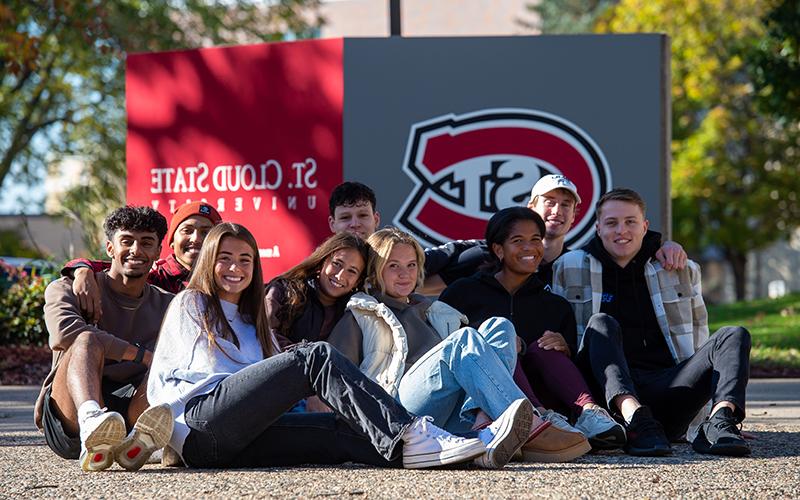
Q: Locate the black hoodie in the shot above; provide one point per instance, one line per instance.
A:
(531, 309)
(627, 298)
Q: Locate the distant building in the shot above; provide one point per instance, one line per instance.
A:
(370, 18)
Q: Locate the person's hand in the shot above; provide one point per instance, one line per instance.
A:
(85, 288)
(553, 341)
(147, 359)
(671, 256)
(314, 404)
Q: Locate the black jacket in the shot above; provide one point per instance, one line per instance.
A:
(532, 309)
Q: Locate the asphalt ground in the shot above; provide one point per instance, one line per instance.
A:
(30, 469)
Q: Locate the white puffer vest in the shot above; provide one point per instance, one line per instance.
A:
(385, 343)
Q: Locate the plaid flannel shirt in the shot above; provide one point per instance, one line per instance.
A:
(676, 296)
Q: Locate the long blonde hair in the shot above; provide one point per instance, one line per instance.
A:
(251, 304)
(381, 244)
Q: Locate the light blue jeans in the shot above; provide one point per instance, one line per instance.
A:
(469, 370)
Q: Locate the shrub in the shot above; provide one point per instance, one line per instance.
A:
(21, 303)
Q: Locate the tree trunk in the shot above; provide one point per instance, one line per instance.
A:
(738, 261)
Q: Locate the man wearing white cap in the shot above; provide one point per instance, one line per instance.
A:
(555, 198)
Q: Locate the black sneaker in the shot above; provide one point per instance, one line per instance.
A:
(646, 436)
(720, 435)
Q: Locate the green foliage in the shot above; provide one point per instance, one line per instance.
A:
(62, 66)
(12, 245)
(567, 16)
(734, 182)
(21, 318)
(773, 323)
(775, 61)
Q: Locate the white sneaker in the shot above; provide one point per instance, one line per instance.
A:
(151, 432)
(101, 432)
(425, 445)
(506, 435)
(603, 432)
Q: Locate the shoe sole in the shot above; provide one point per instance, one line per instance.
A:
(564, 455)
(609, 440)
(101, 444)
(701, 445)
(510, 438)
(469, 450)
(151, 432)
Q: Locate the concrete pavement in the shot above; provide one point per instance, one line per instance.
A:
(30, 469)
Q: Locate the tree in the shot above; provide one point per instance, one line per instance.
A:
(62, 66)
(566, 16)
(775, 62)
(734, 182)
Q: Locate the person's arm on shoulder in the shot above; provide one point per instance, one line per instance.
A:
(348, 338)
(65, 322)
(87, 291)
(446, 263)
(672, 256)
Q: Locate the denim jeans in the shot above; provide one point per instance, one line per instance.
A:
(719, 370)
(469, 370)
(243, 422)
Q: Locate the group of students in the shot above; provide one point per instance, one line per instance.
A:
(530, 350)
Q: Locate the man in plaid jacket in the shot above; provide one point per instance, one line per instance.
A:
(643, 337)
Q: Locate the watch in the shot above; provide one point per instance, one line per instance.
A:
(140, 353)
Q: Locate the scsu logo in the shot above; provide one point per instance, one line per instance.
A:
(467, 167)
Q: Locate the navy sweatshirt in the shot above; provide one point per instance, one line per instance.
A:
(531, 309)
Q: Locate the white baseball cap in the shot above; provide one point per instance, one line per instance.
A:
(554, 181)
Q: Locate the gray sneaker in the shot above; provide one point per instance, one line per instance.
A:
(603, 432)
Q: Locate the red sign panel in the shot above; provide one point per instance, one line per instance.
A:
(254, 130)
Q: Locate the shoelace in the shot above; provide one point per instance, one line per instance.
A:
(555, 416)
(727, 424)
(431, 431)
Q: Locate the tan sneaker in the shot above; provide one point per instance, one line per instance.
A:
(560, 442)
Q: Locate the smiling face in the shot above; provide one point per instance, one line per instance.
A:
(233, 269)
(523, 250)
(132, 253)
(557, 208)
(359, 219)
(340, 273)
(621, 227)
(188, 239)
(399, 275)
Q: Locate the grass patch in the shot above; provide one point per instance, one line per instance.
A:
(774, 325)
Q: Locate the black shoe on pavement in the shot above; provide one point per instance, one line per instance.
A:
(646, 436)
(720, 435)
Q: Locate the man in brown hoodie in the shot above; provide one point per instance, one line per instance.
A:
(104, 364)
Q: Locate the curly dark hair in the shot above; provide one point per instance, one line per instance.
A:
(133, 218)
(349, 194)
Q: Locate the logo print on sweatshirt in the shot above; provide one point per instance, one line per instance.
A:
(467, 167)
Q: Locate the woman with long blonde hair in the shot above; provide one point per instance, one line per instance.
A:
(420, 352)
(217, 367)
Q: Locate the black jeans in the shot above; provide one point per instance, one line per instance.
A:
(718, 370)
(242, 423)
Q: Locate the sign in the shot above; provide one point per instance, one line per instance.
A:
(255, 130)
(446, 130)
(466, 168)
